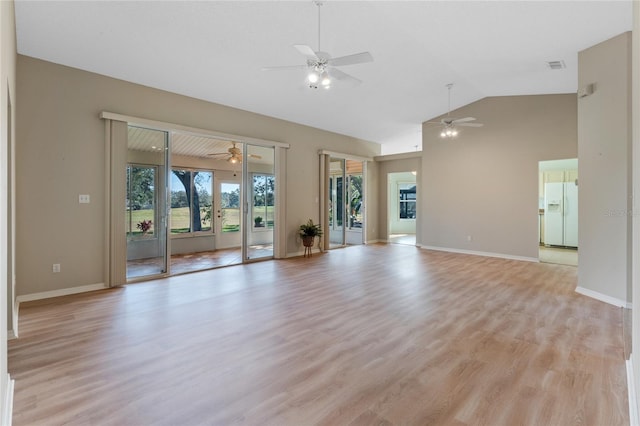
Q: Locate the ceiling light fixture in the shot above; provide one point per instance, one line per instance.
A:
(449, 132)
(321, 69)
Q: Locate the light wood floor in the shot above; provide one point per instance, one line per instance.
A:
(375, 334)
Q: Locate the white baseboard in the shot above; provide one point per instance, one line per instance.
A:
(13, 333)
(7, 409)
(481, 253)
(602, 297)
(61, 292)
(631, 388)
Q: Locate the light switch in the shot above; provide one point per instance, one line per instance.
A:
(84, 199)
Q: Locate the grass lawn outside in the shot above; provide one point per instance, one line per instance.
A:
(180, 220)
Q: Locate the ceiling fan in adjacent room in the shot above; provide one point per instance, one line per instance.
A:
(449, 124)
(233, 155)
(322, 68)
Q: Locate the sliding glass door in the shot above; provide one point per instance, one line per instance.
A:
(187, 200)
(145, 205)
(346, 201)
(260, 184)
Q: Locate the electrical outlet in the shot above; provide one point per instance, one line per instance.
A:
(56, 267)
(469, 238)
(84, 198)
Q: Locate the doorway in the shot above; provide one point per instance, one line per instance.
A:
(402, 207)
(558, 211)
(194, 202)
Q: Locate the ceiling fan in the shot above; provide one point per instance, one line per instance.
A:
(449, 124)
(233, 155)
(321, 66)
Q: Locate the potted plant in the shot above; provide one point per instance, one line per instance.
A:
(308, 232)
(144, 226)
(257, 221)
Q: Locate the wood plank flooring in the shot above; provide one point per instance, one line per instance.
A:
(376, 334)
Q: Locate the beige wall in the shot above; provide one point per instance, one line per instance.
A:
(604, 143)
(7, 88)
(484, 183)
(61, 155)
(635, 118)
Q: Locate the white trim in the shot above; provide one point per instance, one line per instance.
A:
(169, 127)
(7, 410)
(13, 333)
(602, 297)
(344, 156)
(631, 389)
(480, 253)
(61, 292)
(401, 156)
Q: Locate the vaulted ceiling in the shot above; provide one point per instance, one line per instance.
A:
(215, 51)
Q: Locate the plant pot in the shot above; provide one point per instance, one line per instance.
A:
(307, 241)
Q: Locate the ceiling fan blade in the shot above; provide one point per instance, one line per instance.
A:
(356, 58)
(256, 156)
(284, 67)
(307, 51)
(463, 120)
(342, 76)
(469, 124)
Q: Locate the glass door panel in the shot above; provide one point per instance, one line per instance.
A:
(336, 202)
(145, 204)
(229, 224)
(261, 200)
(355, 202)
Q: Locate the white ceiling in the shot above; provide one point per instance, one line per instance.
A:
(215, 50)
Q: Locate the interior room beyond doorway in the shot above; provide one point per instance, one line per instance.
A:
(401, 206)
(558, 211)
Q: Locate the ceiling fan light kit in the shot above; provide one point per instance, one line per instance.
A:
(449, 124)
(233, 155)
(321, 68)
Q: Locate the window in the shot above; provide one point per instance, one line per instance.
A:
(407, 200)
(140, 214)
(191, 201)
(230, 206)
(355, 201)
(263, 201)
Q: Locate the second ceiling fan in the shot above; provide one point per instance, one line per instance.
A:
(321, 66)
(449, 124)
(233, 155)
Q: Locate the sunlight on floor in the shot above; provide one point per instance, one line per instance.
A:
(408, 239)
(561, 256)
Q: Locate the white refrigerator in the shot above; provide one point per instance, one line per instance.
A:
(561, 214)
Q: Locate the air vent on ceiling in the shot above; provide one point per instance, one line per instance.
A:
(556, 65)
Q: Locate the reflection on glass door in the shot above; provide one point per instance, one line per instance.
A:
(145, 214)
(261, 199)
